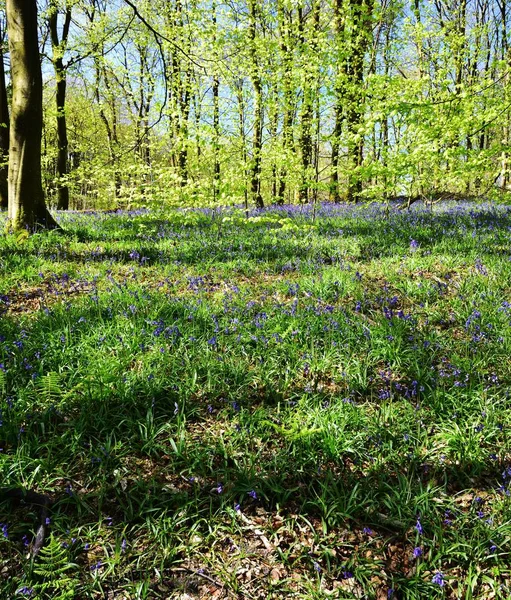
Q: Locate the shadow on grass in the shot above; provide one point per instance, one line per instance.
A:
(377, 238)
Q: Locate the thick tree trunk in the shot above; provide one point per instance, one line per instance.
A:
(4, 132)
(27, 207)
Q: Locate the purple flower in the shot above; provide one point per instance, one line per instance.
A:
(97, 566)
(219, 488)
(418, 527)
(438, 579)
(417, 552)
(317, 567)
(25, 591)
(4, 528)
(414, 244)
(252, 494)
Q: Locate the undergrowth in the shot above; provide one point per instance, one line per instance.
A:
(304, 404)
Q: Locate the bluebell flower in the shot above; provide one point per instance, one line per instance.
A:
(418, 527)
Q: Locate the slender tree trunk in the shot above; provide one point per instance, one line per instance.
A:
(338, 107)
(185, 115)
(58, 47)
(111, 129)
(243, 137)
(216, 119)
(255, 184)
(307, 112)
(216, 133)
(287, 123)
(4, 132)
(62, 142)
(361, 35)
(273, 129)
(27, 206)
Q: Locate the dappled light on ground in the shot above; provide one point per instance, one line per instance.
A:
(309, 403)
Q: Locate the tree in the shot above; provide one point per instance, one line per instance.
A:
(4, 128)
(58, 46)
(27, 207)
(255, 75)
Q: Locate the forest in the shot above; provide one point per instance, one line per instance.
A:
(255, 301)
(203, 103)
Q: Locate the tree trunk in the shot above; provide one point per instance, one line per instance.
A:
(255, 184)
(27, 208)
(243, 138)
(287, 123)
(58, 47)
(216, 118)
(361, 35)
(307, 112)
(4, 132)
(338, 107)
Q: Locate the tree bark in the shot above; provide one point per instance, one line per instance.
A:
(338, 107)
(4, 131)
(58, 47)
(362, 14)
(216, 118)
(309, 80)
(27, 207)
(255, 184)
(287, 123)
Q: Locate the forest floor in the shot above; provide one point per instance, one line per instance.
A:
(311, 403)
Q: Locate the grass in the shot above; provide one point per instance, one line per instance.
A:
(308, 404)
